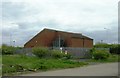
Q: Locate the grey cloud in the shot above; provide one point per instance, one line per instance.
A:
(18, 11)
(38, 24)
(25, 31)
(27, 28)
(108, 36)
(21, 36)
(12, 11)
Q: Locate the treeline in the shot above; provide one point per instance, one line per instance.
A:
(114, 48)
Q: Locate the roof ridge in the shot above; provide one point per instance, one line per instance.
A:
(61, 31)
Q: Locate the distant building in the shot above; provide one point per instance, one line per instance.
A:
(55, 38)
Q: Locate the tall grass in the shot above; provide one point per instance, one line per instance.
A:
(0, 65)
(21, 63)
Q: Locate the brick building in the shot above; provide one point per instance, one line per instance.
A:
(55, 38)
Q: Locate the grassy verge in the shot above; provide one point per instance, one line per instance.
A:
(0, 59)
(0, 65)
(17, 63)
(112, 58)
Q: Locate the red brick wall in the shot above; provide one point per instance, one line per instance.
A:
(46, 37)
(77, 42)
(88, 43)
(43, 39)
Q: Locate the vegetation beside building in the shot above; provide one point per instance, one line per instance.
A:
(114, 48)
(13, 64)
(21, 63)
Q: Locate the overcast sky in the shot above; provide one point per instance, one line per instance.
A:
(23, 19)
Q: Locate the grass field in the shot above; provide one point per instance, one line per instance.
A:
(12, 64)
(19, 63)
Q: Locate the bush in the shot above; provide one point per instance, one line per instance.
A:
(115, 49)
(102, 45)
(45, 53)
(40, 52)
(7, 50)
(57, 54)
(92, 50)
(100, 54)
(0, 51)
(68, 56)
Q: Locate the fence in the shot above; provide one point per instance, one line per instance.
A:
(75, 52)
(26, 51)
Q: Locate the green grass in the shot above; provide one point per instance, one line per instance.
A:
(18, 63)
(112, 58)
(0, 65)
(0, 59)
(12, 64)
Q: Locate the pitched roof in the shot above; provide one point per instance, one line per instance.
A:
(73, 35)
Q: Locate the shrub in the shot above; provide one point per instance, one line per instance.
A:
(115, 49)
(91, 51)
(68, 56)
(57, 54)
(40, 52)
(0, 51)
(100, 54)
(102, 45)
(6, 50)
